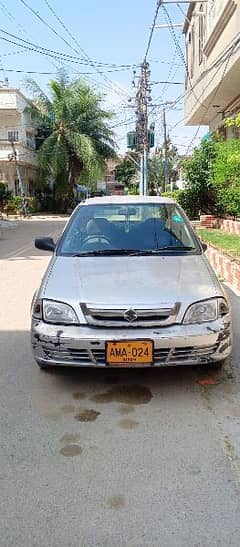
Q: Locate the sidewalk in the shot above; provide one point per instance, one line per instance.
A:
(8, 224)
(36, 217)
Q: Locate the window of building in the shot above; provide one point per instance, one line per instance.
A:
(17, 187)
(30, 140)
(13, 136)
(201, 26)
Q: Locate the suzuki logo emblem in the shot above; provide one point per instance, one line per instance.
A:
(130, 315)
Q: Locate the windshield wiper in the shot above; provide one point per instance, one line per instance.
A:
(177, 248)
(109, 252)
(133, 252)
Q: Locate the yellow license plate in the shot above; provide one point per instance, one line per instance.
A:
(129, 352)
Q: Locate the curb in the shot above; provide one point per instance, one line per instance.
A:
(227, 268)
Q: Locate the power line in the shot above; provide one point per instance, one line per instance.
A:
(40, 51)
(66, 41)
(218, 67)
(13, 53)
(217, 64)
(152, 28)
(126, 122)
(78, 45)
(68, 32)
(168, 83)
(36, 13)
(52, 73)
(181, 54)
(66, 56)
(165, 87)
(108, 87)
(215, 93)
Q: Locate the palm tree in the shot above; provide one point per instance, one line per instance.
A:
(79, 139)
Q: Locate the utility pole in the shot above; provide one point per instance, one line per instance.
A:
(142, 98)
(13, 157)
(165, 151)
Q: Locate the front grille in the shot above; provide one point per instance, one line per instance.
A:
(162, 356)
(184, 355)
(67, 354)
(130, 317)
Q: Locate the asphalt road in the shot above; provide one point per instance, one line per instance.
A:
(103, 458)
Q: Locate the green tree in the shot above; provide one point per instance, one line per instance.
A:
(226, 176)
(127, 170)
(5, 194)
(78, 139)
(226, 168)
(233, 122)
(156, 170)
(200, 193)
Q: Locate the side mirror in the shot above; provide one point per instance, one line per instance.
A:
(45, 244)
(204, 246)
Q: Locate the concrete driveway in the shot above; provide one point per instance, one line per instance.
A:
(110, 458)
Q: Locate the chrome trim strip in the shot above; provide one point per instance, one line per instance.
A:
(114, 317)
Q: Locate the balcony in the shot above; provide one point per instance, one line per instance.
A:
(219, 15)
(23, 154)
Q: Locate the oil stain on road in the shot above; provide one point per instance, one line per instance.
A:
(128, 424)
(129, 395)
(87, 415)
(116, 502)
(70, 438)
(70, 450)
(125, 409)
(78, 395)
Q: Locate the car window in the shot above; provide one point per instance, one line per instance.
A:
(141, 227)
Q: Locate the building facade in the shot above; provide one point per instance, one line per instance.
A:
(18, 161)
(110, 185)
(212, 88)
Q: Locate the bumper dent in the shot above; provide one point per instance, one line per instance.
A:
(173, 345)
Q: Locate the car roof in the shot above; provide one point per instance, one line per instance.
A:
(126, 200)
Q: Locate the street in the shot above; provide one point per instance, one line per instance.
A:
(110, 457)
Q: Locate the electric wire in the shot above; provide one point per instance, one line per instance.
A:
(180, 52)
(212, 99)
(63, 55)
(158, 4)
(68, 43)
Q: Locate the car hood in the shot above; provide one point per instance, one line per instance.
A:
(130, 281)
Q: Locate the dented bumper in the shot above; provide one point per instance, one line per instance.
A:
(82, 345)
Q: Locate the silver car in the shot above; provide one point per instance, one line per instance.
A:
(129, 285)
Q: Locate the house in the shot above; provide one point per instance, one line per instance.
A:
(109, 184)
(18, 161)
(181, 171)
(212, 32)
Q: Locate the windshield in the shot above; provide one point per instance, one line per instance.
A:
(140, 228)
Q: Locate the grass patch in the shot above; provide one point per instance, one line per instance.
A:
(228, 243)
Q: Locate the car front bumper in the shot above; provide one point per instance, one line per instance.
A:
(174, 345)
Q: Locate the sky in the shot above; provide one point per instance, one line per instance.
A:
(94, 36)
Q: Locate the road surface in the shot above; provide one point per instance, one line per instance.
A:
(104, 458)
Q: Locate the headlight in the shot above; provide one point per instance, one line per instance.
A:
(58, 312)
(206, 310)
